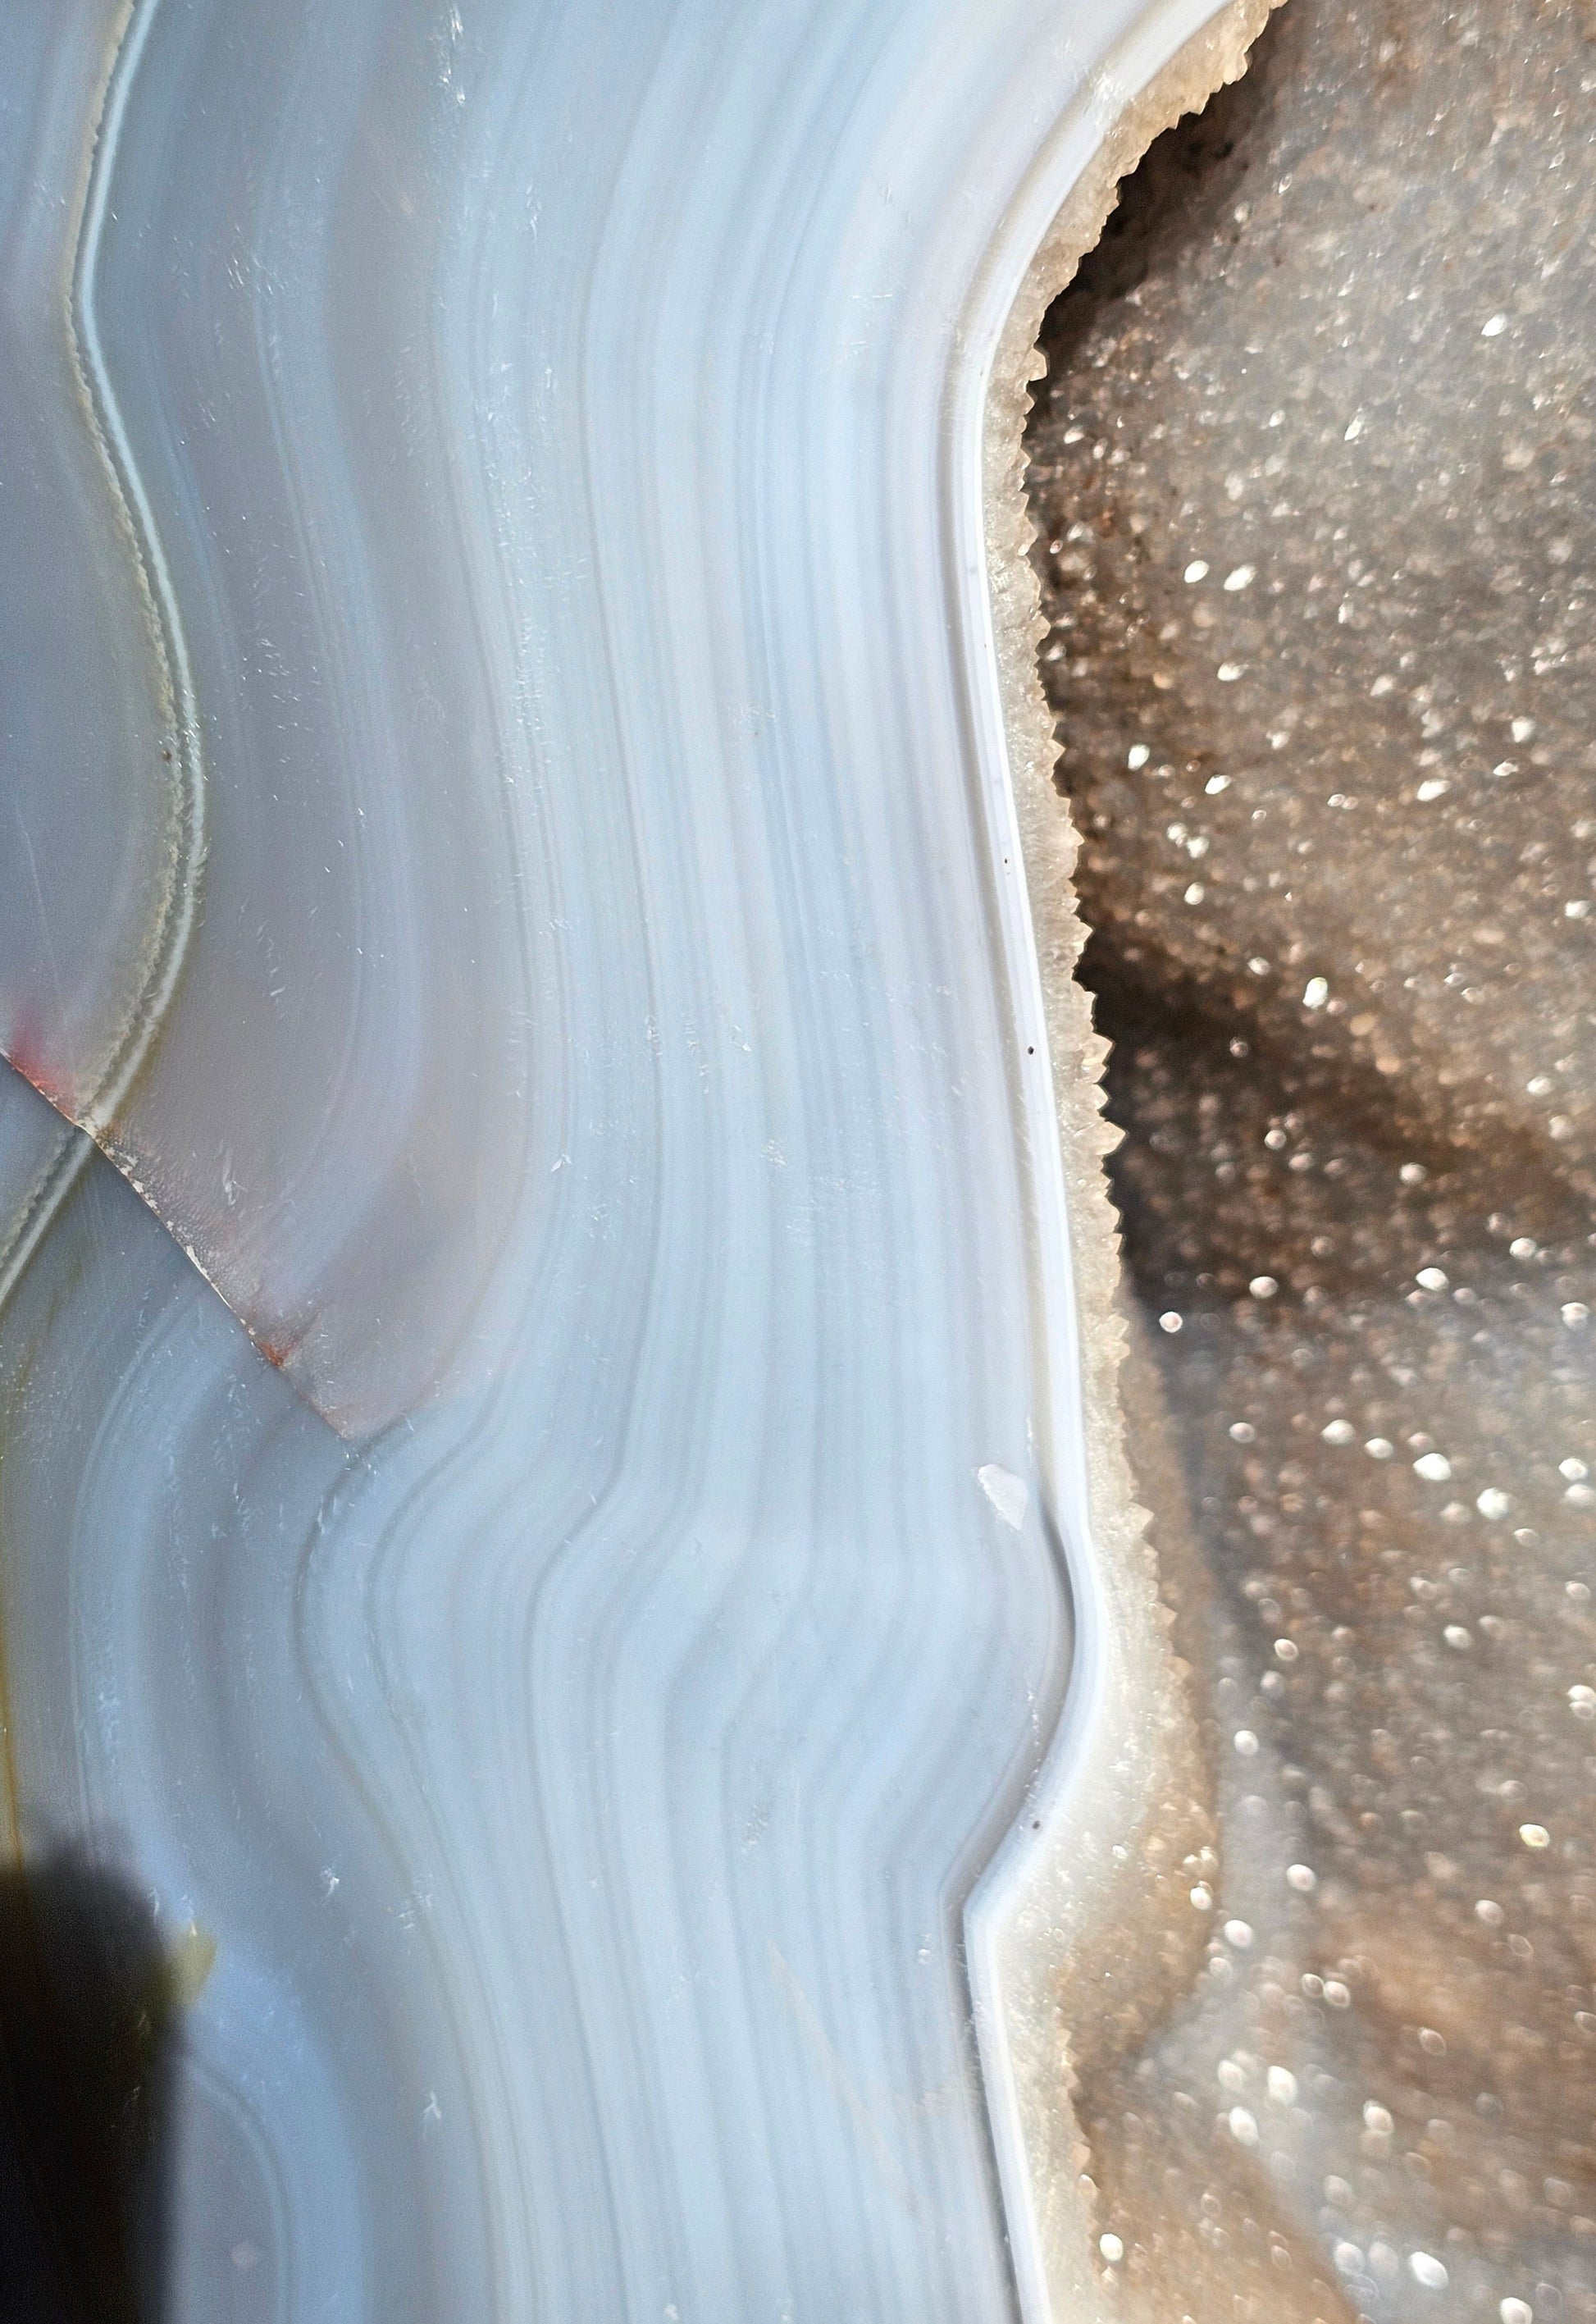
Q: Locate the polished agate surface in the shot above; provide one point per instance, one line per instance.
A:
(547, 1543)
(594, 1728)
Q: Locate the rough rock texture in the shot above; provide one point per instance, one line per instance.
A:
(1314, 470)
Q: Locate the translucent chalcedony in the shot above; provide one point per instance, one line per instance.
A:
(601, 1660)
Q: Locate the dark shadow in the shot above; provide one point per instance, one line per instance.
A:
(1181, 190)
(86, 2017)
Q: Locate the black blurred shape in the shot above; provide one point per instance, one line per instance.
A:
(87, 2002)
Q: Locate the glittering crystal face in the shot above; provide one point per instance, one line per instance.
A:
(1313, 474)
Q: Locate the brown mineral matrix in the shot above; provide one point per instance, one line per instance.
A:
(1313, 470)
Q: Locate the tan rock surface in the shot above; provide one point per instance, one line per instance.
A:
(1315, 469)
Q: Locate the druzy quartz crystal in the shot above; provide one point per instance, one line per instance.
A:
(1312, 474)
